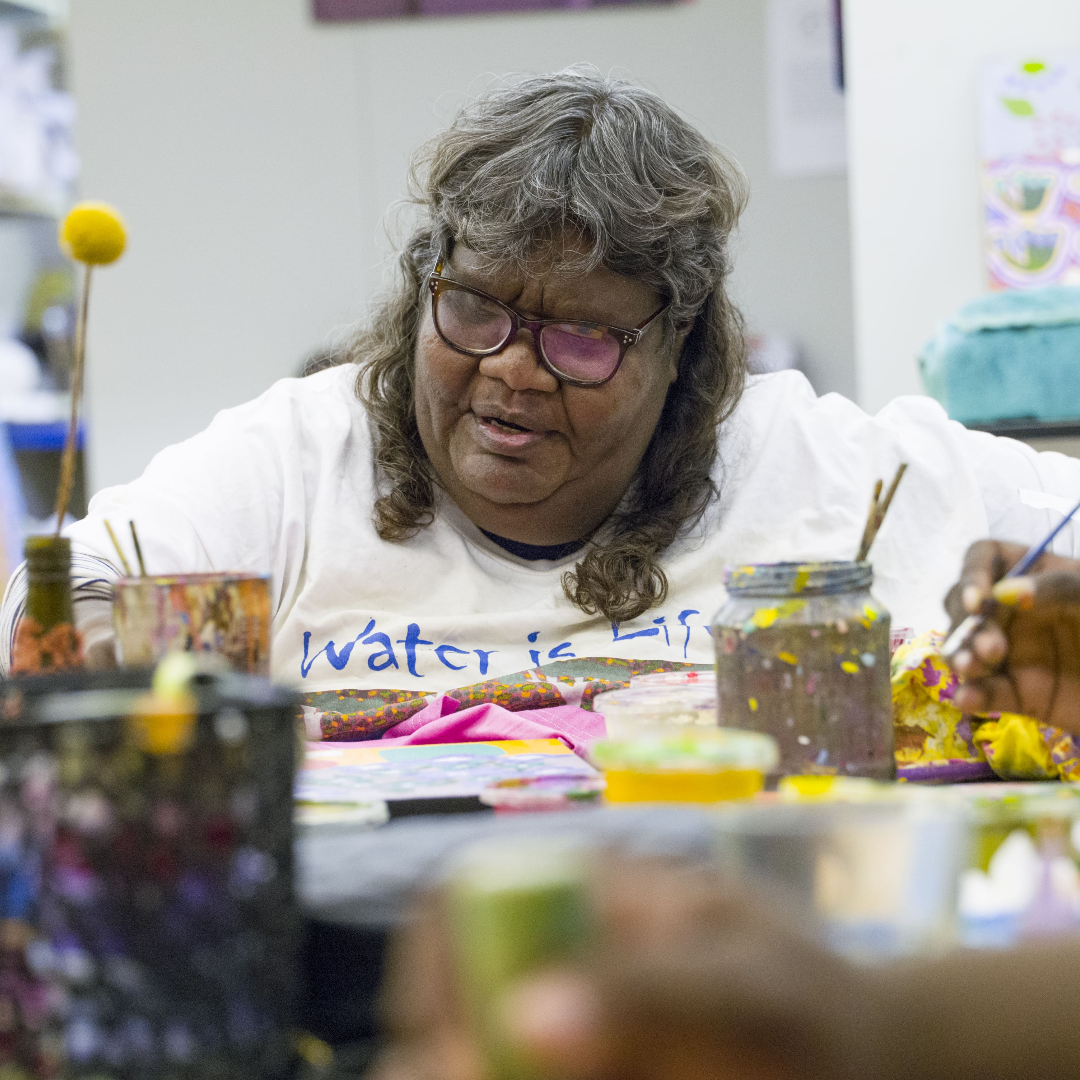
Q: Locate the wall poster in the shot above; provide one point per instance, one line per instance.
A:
(1030, 133)
(352, 10)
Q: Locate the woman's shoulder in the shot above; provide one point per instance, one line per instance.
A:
(780, 420)
(330, 394)
(787, 396)
(310, 424)
(318, 410)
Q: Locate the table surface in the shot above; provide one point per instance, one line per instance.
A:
(365, 878)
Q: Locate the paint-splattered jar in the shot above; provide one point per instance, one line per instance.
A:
(802, 654)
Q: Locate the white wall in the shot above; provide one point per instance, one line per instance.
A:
(254, 155)
(913, 151)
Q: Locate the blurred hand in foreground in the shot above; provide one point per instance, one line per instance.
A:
(688, 979)
(1026, 658)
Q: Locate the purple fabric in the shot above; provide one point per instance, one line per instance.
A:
(954, 771)
(444, 721)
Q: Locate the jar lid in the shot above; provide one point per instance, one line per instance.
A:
(1008, 803)
(707, 677)
(48, 554)
(660, 697)
(684, 751)
(566, 792)
(798, 579)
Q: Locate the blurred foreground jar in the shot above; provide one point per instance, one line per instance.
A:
(516, 906)
(148, 925)
(802, 654)
(46, 639)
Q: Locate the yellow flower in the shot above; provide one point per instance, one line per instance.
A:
(93, 233)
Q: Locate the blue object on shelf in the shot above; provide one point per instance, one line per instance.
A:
(1008, 355)
(12, 506)
(43, 436)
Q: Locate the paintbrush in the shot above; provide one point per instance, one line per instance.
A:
(970, 626)
(864, 543)
(119, 549)
(878, 510)
(138, 549)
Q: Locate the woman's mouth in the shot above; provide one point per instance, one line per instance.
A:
(501, 435)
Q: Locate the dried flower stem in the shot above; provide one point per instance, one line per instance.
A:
(67, 462)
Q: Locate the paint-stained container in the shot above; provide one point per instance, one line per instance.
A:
(802, 654)
(691, 765)
(674, 701)
(225, 614)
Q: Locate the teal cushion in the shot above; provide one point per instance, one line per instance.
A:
(1009, 355)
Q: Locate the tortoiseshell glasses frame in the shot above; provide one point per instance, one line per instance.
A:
(478, 324)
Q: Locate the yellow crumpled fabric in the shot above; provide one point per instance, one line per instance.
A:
(929, 729)
(1020, 748)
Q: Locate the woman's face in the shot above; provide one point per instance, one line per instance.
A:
(522, 454)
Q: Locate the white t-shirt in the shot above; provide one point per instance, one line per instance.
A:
(284, 485)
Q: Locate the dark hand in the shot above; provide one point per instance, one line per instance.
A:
(1026, 658)
(691, 979)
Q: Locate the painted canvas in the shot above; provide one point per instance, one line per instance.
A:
(351, 10)
(1030, 133)
(362, 772)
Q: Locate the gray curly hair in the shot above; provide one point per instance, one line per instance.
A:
(521, 168)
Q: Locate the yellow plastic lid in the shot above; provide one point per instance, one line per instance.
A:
(701, 750)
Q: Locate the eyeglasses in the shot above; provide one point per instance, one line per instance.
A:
(578, 353)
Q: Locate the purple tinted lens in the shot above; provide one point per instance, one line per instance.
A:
(470, 321)
(580, 351)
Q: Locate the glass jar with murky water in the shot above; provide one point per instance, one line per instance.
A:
(802, 654)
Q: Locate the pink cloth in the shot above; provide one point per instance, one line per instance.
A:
(444, 721)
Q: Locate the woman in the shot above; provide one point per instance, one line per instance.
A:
(546, 448)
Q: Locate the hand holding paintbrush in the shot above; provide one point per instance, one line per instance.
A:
(961, 637)
(1024, 656)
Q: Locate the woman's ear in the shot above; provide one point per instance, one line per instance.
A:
(681, 334)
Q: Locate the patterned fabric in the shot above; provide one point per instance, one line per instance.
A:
(1015, 748)
(348, 715)
(931, 735)
(936, 742)
(1019, 748)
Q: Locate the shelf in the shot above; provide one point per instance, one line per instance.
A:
(53, 10)
(42, 437)
(1028, 427)
(20, 207)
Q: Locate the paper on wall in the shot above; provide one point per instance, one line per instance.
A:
(1030, 141)
(807, 129)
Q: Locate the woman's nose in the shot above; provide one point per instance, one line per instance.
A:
(519, 367)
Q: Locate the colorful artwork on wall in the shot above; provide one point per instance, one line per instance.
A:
(352, 10)
(1030, 129)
